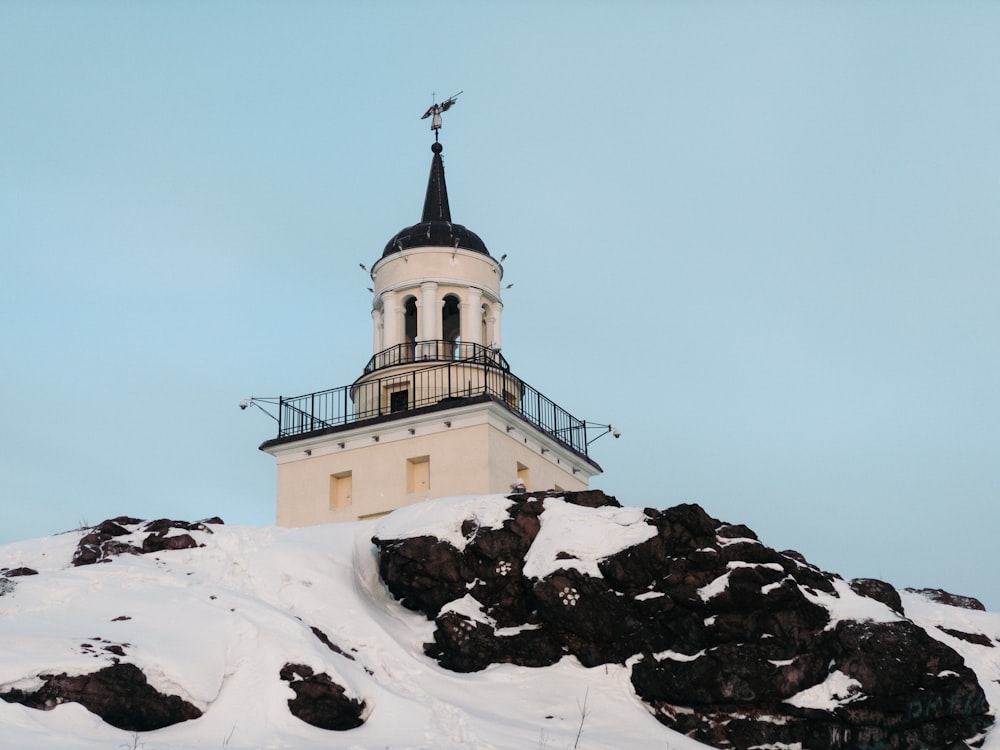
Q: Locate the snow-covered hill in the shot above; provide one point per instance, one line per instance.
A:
(217, 623)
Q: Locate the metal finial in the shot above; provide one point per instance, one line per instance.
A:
(436, 110)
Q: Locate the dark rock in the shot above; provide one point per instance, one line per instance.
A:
(125, 521)
(325, 640)
(591, 499)
(110, 528)
(99, 545)
(119, 694)
(979, 639)
(586, 498)
(157, 543)
(878, 590)
(464, 645)
(423, 572)
(15, 572)
(736, 531)
(721, 631)
(165, 525)
(320, 701)
(952, 600)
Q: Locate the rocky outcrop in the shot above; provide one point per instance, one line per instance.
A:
(119, 694)
(728, 640)
(18, 572)
(320, 701)
(104, 541)
(880, 591)
(952, 600)
(6, 574)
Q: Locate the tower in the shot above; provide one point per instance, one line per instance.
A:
(436, 411)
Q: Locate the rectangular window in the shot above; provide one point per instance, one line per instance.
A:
(340, 490)
(399, 400)
(418, 474)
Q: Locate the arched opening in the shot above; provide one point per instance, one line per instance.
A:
(451, 325)
(409, 329)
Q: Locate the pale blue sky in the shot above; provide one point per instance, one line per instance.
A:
(759, 238)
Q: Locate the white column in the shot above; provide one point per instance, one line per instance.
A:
(430, 311)
(472, 316)
(377, 327)
(391, 318)
(497, 311)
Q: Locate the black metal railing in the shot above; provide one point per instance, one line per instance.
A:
(396, 394)
(438, 350)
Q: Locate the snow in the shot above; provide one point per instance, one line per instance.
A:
(649, 595)
(216, 624)
(597, 533)
(845, 604)
(836, 690)
(270, 586)
(676, 656)
(716, 586)
(443, 519)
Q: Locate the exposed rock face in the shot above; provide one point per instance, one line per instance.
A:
(880, 591)
(102, 542)
(952, 600)
(729, 640)
(320, 701)
(17, 572)
(6, 574)
(119, 694)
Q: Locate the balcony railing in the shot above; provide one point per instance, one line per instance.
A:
(436, 351)
(396, 394)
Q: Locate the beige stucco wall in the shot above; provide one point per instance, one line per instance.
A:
(547, 472)
(452, 269)
(473, 450)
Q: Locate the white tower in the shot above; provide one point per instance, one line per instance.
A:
(436, 411)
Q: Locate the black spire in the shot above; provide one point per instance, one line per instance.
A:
(436, 228)
(436, 203)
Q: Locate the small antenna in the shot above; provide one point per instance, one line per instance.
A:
(436, 110)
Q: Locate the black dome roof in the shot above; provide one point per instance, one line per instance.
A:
(435, 227)
(437, 234)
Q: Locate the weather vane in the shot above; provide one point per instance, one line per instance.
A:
(436, 110)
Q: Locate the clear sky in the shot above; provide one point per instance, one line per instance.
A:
(760, 238)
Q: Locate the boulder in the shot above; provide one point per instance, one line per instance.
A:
(119, 694)
(952, 600)
(100, 543)
(878, 590)
(320, 701)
